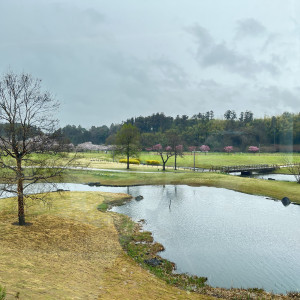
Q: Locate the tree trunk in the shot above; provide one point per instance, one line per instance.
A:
(164, 166)
(175, 161)
(127, 159)
(21, 212)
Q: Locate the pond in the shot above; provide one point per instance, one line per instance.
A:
(280, 177)
(234, 239)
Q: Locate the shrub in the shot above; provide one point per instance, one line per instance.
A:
(204, 148)
(253, 149)
(228, 149)
(152, 162)
(102, 207)
(133, 161)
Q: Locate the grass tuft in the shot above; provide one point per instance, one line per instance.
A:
(2, 293)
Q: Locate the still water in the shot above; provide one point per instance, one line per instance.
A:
(234, 239)
(280, 177)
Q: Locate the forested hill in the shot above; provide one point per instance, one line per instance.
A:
(239, 131)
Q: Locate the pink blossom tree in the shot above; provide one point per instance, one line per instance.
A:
(204, 148)
(178, 151)
(157, 147)
(192, 149)
(228, 149)
(165, 153)
(149, 149)
(179, 148)
(253, 149)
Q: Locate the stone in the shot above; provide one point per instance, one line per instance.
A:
(286, 201)
(153, 262)
(94, 184)
(139, 198)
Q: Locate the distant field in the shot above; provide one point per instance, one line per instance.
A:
(206, 160)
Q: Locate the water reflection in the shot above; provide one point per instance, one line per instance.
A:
(232, 238)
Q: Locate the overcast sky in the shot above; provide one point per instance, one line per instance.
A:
(107, 61)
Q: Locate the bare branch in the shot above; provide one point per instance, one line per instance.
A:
(27, 116)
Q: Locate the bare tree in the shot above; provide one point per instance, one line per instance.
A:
(29, 149)
(294, 168)
(164, 152)
(175, 141)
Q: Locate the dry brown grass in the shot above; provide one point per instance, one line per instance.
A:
(72, 252)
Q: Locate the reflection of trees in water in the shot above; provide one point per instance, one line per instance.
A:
(134, 191)
(171, 193)
(158, 198)
(175, 194)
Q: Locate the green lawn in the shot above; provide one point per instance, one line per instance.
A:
(223, 159)
(205, 160)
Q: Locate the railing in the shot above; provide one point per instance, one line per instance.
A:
(222, 169)
(243, 168)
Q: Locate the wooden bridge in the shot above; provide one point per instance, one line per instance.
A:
(245, 169)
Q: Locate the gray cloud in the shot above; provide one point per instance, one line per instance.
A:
(213, 54)
(202, 36)
(52, 23)
(249, 28)
(230, 60)
(170, 74)
(108, 61)
(208, 83)
(281, 98)
(241, 97)
(94, 16)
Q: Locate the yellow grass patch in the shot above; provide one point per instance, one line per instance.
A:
(72, 252)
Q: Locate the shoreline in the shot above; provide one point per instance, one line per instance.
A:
(139, 237)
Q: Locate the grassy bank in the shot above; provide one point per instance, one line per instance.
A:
(273, 189)
(72, 251)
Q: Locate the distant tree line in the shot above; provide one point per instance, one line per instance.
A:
(275, 133)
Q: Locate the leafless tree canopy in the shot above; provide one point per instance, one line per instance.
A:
(27, 120)
(294, 168)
